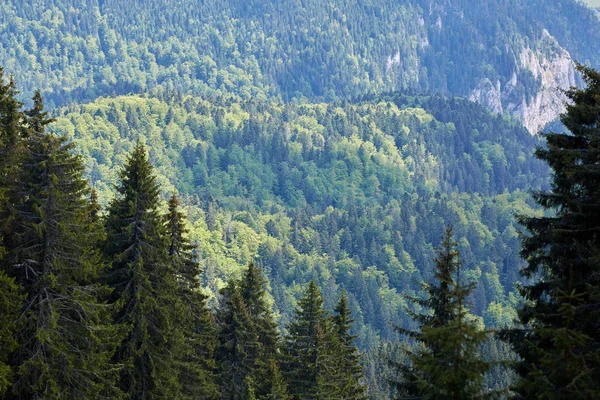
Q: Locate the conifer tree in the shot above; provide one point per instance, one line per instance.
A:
(11, 148)
(346, 354)
(559, 344)
(13, 132)
(144, 284)
(196, 361)
(263, 326)
(445, 363)
(237, 343)
(10, 304)
(309, 362)
(248, 339)
(64, 342)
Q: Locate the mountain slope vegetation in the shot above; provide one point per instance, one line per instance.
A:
(506, 49)
(351, 195)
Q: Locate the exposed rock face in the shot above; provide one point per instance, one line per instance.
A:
(551, 66)
(488, 95)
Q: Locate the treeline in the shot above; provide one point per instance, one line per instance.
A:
(108, 304)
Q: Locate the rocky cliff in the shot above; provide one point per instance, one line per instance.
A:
(552, 68)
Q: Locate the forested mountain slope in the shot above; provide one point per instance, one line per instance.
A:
(354, 196)
(509, 55)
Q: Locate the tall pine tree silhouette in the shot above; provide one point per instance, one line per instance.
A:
(196, 357)
(559, 345)
(64, 341)
(144, 283)
(444, 362)
(350, 379)
(309, 360)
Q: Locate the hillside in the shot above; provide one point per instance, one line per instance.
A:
(351, 195)
(509, 55)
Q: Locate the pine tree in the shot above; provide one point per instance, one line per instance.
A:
(347, 354)
(445, 363)
(10, 304)
(64, 342)
(248, 340)
(13, 132)
(263, 327)
(196, 361)
(309, 363)
(559, 344)
(144, 284)
(439, 306)
(11, 148)
(237, 343)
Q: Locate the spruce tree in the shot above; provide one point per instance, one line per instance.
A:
(196, 359)
(237, 344)
(248, 340)
(346, 354)
(64, 342)
(444, 362)
(559, 343)
(11, 148)
(263, 326)
(10, 304)
(144, 284)
(13, 132)
(309, 363)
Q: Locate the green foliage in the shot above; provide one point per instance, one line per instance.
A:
(144, 284)
(237, 345)
(309, 350)
(446, 363)
(249, 340)
(10, 304)
(350, 382)
(559, 342)
(196, 358)
(63, 338)
(259, 49)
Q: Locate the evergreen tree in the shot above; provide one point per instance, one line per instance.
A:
(13, 132)
(309, 362)
(196, 361)
(248, 340)
(64, 342)
(347, 354)
(11, 147)
(10, 304)
(237, 342)
(559, 345)
(439, 312)
(445, 363)
(144, 283)
(263, 326)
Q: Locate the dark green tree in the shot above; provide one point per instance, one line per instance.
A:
(10, 304)
(144, 283)
(309, 359)
(248, 340)
(11, 147)
(64, 340)
(444, 362)
(347, 355)
(196, 359)
(559, 344)
(264, 328)
(237, 343)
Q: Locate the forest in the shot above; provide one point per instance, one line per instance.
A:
(76, 52)
(105, 298)
(296, 200)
